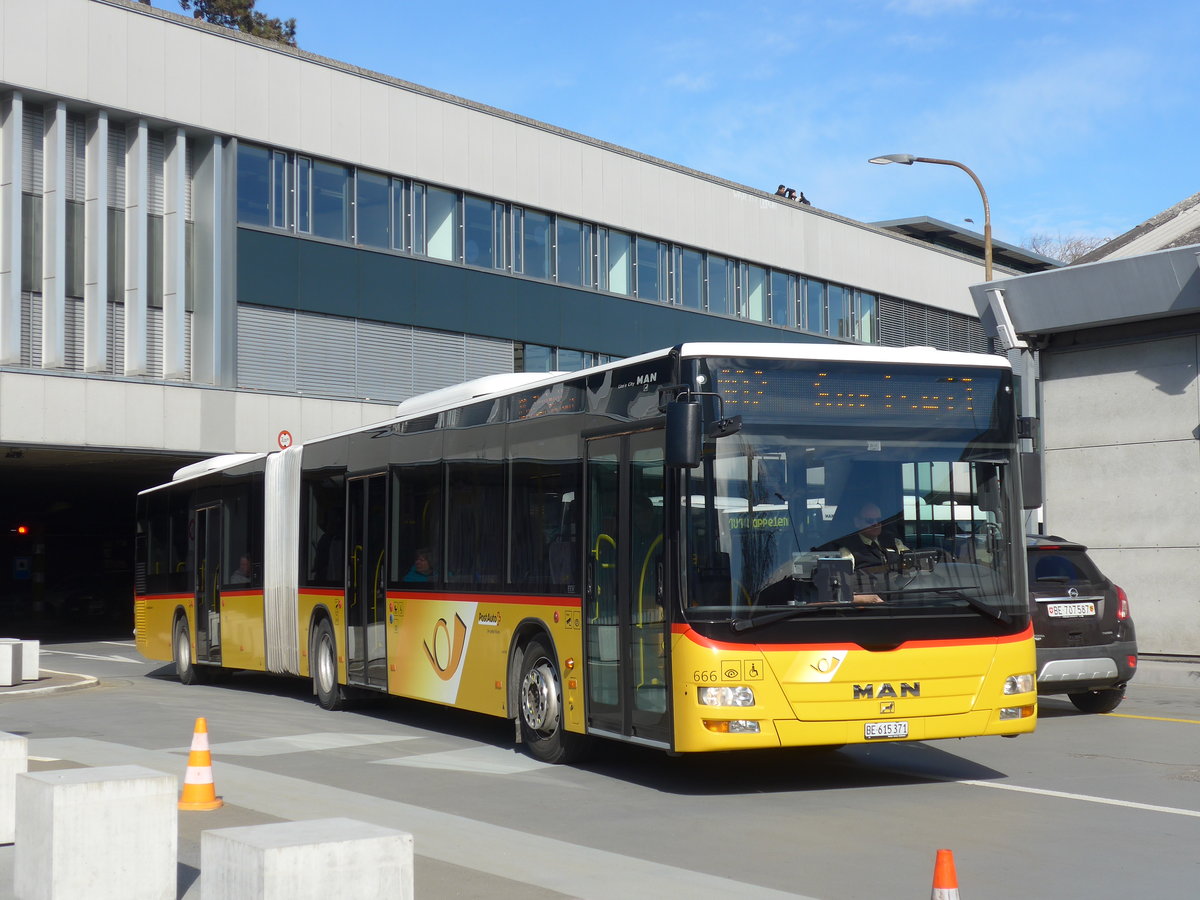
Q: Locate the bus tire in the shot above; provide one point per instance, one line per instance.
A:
(1098, 701)
(324, 668)
(540, 708)
(181, 652)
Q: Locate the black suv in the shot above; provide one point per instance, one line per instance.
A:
(1085, 641)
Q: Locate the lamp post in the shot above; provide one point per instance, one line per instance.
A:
(907, 159)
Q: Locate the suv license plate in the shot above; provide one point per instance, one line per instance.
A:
(1070, 610)
(885, 730)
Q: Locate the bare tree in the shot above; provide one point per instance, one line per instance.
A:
(1066, 248)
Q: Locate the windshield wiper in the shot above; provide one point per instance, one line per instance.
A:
(740, 625)
(974, 602)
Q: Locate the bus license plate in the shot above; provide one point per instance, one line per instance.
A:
(1070, 610)
(886, 730)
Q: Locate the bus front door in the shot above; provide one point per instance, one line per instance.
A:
(624, 606)
(366, 584)
(207, 585)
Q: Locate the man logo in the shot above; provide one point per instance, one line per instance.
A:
(886, 691)
(888, 707)
(446, 654)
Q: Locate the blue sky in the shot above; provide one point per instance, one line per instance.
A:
(1080, 118)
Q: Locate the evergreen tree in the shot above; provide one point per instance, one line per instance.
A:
(240, 15)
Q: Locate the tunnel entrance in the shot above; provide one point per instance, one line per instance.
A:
(66, 539)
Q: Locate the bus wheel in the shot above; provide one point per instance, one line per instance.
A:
(323, 660)
(540, 709)
(181, 646)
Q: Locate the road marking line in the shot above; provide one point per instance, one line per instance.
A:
(569, 869)
(299, 743)
(480, 760)
(1128, 804)
(1153, 718)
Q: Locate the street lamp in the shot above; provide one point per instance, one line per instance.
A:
(907, 159)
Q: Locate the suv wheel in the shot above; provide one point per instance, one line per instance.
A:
(1098, 701)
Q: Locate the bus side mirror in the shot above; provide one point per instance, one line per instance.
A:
(1032, 495)
(683, 434)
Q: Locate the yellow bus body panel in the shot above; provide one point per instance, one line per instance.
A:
(243, 639)
(456, 651)
(153, 616)
(809, 695)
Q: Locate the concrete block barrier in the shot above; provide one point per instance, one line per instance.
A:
(14, 759)
(10, 662)
(315, 859)
(106, 834)
(31, 657)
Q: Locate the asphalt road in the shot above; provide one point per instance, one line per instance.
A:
(1088, 806)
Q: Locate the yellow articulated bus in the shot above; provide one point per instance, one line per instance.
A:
(711, 547)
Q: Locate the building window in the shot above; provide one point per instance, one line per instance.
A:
(441, 224)
(616, 262)
(841, 322)
(399, 213)
(652, 269)
(720, 285)
(573, 246)
(372, 212)
(304, 194)
(814, 306)
(753, 293)
(253, 185)
(689, 278)
(331, 201)
(781, 298)
(867, 324)
(484, 233)
(281, 190)
(532, 245)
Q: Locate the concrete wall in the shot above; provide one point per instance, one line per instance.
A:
(145, 61)
(1121, 431)
(93, 412)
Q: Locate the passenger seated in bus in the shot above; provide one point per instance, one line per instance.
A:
(244, 573)
(422, 567)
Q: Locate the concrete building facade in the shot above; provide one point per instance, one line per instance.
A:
(1118, 347)
(211, 243)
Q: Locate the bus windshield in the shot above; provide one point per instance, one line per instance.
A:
(778, 520)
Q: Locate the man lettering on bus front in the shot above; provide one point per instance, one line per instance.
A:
(872, 549)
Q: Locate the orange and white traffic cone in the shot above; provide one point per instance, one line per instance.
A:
(945, 881)
(198, 789)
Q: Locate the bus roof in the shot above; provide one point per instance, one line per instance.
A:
(843, 353)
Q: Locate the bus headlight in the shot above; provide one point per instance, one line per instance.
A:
(1019, 684)
(725, 696)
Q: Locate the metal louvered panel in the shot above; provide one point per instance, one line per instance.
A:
(384, 361)
(116, 338)
(188, 315)
(116, 165)
(154, 343)
(487, 356)
(73, 328)
(266, 348)
(190, 158)
(325, 356)
(891, 322)
(438, 360)
(32, 127)
(76, 159)
(31, 330)
(155, 150)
